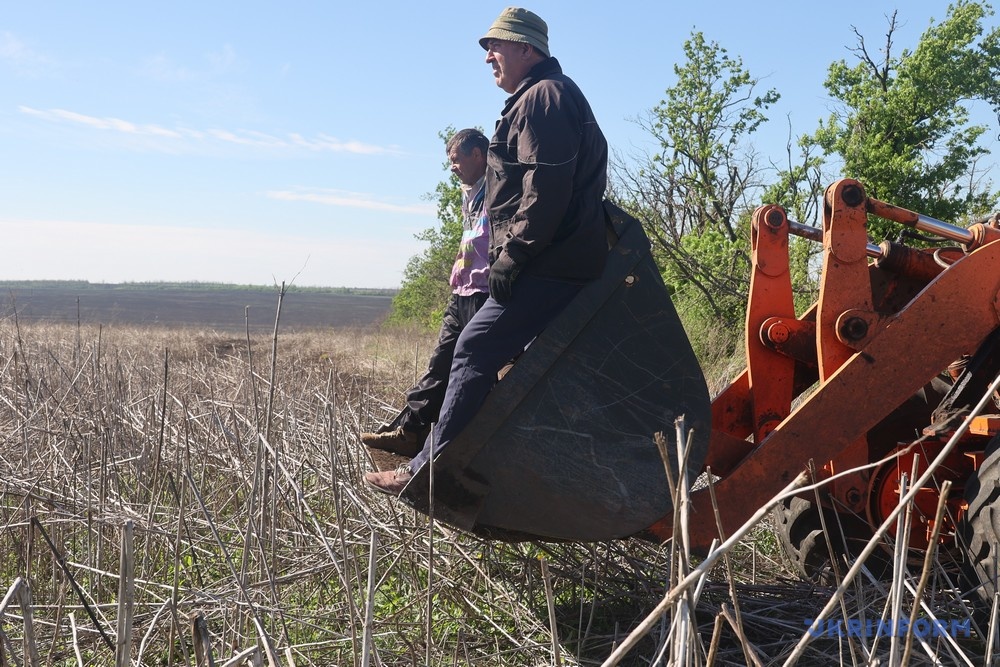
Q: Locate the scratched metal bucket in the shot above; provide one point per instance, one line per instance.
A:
(563, 448)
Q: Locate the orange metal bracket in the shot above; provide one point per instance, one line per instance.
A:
(844, 309)
(761, 396)
(771, 374)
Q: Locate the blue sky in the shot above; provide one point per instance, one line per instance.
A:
(253, 142)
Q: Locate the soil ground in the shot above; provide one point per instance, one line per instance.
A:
(221, 309)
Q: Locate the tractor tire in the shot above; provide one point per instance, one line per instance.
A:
(800, 535)
(980, 527)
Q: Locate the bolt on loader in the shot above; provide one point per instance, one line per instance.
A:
(885, 373)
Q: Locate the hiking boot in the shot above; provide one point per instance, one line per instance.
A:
(400, 441)
(390, 481)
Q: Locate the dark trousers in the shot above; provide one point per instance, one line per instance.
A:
(495, 335)
(423, 401)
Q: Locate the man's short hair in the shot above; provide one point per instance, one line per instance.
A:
(467, 139)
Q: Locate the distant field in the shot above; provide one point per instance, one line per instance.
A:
(220, 308)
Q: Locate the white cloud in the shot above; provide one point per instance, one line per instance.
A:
(248, 138)
(326, 142)
(349, 200)
(11, 48)
(115, 124)
(19, 55)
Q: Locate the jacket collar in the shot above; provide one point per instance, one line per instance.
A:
(542, 70)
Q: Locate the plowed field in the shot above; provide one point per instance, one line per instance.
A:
(215, 308)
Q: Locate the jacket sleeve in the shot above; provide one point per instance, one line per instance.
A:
(548, 143)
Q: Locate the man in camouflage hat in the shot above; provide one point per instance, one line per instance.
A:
(545, 180)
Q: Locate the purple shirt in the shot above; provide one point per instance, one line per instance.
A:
(471, 271)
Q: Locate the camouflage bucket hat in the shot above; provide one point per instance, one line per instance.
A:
(519, 25)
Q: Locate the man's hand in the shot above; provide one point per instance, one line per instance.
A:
(503, 273)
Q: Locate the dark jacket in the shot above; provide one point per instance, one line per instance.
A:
(546, 173)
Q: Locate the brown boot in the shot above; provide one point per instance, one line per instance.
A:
(390, 481)
(401, 441)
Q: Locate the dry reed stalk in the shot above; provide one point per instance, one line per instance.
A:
(126, 599)
(6, 649)
(834, 558)
(904, 500)
(252, 654)
(661, 445)
(713, 646)
(551, 605)
(928, 566)
(894, 604)
(268, 417)
(11, 594)
(76, 640)
(699, 572)
(366, 642)
(154, 485)
(429, 633)
(272, 384)
(30, 645)
(60, 607)
(149, 632)
(175, 626)
(61, 561)
(341, 539)
(955, 653)
(251, 533)
(749, 650)
(737, 621)
(900, 566)
(20, 590)
(487, 596)
(265, 638)
(202, 641)
(991, 638)
(253, 529)
(683, 635)
(584, 632)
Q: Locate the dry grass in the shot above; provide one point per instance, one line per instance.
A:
(234, 482)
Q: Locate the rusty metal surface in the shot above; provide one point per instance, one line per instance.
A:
(881, 337)
(952, 316)
(771, 374)
(845, 283)
(563, 448)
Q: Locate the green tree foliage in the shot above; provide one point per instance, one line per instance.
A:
(696, 193)
(425, 291)
(901, 125)
(799, 185)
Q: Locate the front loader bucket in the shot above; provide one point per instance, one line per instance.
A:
(563, 448)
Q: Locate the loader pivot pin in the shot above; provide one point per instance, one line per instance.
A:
(778, 333)
(853, 195)
(774, 218)
(854, 329)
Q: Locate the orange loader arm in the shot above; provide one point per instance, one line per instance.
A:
(878, 333)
